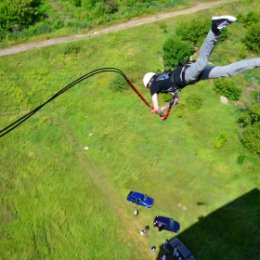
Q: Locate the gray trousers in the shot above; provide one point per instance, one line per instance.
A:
(200, 70)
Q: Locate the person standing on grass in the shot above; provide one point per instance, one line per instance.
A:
(163, 257)
(175, 80)
(153, 249)
(145, 231)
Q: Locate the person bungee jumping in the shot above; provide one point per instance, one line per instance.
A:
(174, 81)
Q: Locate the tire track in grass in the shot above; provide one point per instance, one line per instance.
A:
(110, 195)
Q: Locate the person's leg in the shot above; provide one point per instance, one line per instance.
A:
(211, 72)
(195, 69)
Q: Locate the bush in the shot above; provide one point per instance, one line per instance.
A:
(250, 120)
(193, 31)
(194, 101)
(251, 138)
(18, 14)
(119, 84)
(76, 3)
(196, 30)
(244, 119)
(174, 49)
(111, 6)
(251, 115)
(241, 159)
(220, 140)
(252, 37)
(255, 95)
(249, 19)
(226, 87)
(72, 49)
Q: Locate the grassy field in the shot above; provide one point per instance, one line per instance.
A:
(60, 200)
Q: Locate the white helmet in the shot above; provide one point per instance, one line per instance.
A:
(147, 78)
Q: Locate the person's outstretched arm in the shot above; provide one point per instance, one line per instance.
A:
(156, 109)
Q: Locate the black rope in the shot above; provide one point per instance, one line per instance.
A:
(22, 119)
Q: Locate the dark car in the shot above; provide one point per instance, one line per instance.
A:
(165, 223)
(140, 199)
(179, 250)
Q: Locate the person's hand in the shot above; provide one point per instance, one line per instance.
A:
(163, 108)
(153, 111)
(157, 111)
(161, 114)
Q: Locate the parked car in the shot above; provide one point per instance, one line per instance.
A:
(140, 199)
(179, 250)
(165, 223)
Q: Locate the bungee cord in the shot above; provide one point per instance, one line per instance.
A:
(25, 117)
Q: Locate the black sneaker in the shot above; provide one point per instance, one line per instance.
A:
(220, 22)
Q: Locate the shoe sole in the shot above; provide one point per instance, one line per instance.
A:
(224, 17)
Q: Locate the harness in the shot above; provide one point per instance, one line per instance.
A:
(178, 76)
(166, 75)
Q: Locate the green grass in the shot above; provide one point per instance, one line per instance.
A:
(60, 201)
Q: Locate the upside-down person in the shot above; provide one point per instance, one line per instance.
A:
(175, 80)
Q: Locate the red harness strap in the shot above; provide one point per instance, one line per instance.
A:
(145, 101)
(137, 92)
(168, 111)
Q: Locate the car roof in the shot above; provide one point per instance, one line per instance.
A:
(162, 219)
(183, 250)
(136, 194)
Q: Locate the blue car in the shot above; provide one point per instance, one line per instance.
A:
(165, 223)
(140, 199)
(179, 250)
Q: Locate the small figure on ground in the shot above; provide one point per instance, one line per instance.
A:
(163, 257)
(142, 233)
(176, 252)
(146, 229)
(167, 248)
(153, 249)
(136, 212)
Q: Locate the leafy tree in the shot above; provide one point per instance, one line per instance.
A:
(111, 6)
(175, 49)
(103, 8)
(250, 120)
(251, 115)
(252, 37)
(227, 87)
(249, 19)
(196, 30)
(77, 3)
(193, 31)
(17, 14)
(251, 138)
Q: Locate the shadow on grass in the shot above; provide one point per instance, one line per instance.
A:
(231, 232)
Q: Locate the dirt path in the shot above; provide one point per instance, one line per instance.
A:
(113, 28)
